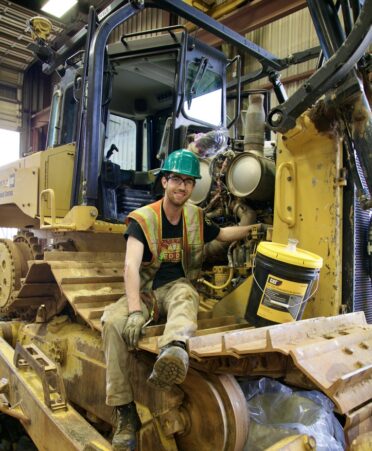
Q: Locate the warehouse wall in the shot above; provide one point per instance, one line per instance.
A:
(10, 99)
(283, 37)
(149, 19)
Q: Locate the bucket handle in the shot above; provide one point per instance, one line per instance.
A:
(286, 213)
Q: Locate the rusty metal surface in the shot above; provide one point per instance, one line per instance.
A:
(217, 409)
(330, 354)
(67, 428)
(333, 353)
(54, 391)
(358, 422)
(87, 280)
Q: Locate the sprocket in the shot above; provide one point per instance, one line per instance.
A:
(28, 245)
(10, 272)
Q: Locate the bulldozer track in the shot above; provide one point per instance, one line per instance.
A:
(88, 281)
(330, 354)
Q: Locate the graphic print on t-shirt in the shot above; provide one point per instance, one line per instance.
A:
(170, 250)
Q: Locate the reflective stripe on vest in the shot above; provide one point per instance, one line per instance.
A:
(150, 220)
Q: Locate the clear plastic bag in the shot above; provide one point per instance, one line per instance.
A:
(210, 143)
(278, 411)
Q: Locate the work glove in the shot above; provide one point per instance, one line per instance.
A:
(132, 329)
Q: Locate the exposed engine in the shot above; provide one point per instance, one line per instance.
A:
(236, 188)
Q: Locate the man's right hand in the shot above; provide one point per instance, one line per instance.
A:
(133, 328)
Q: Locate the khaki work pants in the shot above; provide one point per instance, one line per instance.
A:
(177, 301)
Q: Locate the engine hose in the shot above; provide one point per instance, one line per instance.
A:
(219, 287)
(231, 272)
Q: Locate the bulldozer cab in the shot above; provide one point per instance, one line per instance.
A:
(155, 92)
(156, 89)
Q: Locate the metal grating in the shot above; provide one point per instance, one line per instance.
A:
(362, 282)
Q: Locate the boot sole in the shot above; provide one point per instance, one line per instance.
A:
(168, 370)
(129, 446)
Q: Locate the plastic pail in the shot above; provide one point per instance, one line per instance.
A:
(284, 280)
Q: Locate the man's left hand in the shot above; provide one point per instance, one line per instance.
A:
(132, 329)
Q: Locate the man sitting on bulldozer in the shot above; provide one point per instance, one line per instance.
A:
(164, 255)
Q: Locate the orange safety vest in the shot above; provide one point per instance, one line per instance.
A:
(150, 220)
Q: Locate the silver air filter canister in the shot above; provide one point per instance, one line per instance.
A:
(202, 185)
(253, 176)
(250, 174)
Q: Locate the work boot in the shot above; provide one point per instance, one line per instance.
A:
(126, 426)
(170, 367)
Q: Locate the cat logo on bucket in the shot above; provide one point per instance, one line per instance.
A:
(281, 299)
(275, 282)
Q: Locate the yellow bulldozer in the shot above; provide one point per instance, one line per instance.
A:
(117, 111)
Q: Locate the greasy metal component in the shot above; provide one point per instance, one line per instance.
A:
(77, 350)
(89, 280)
(217, 413)
(329, 354)
(14, 258)
(96, 277)
(307, 353)
(172, 416)
(206, 325)
(314, 345)
(235, 303)
(346, 111)
(67, 428)
(10, 272)
(38, 288)
(283, 117)
(29, 245)
(362, 443)
(358, 422)
(54, 390)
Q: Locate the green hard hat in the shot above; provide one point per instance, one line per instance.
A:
(182, 162)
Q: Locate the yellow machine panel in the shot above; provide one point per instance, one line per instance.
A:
(18, 195)
(56, 171)
(22, 181)
(308, 190)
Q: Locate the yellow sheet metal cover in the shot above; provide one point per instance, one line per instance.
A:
(283, 253)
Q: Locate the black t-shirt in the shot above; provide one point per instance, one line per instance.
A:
(171, 253)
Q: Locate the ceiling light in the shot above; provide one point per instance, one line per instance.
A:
(57, 7)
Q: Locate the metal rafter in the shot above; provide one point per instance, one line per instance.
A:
(250, 16)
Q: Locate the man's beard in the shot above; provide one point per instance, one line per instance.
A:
(180, 200)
